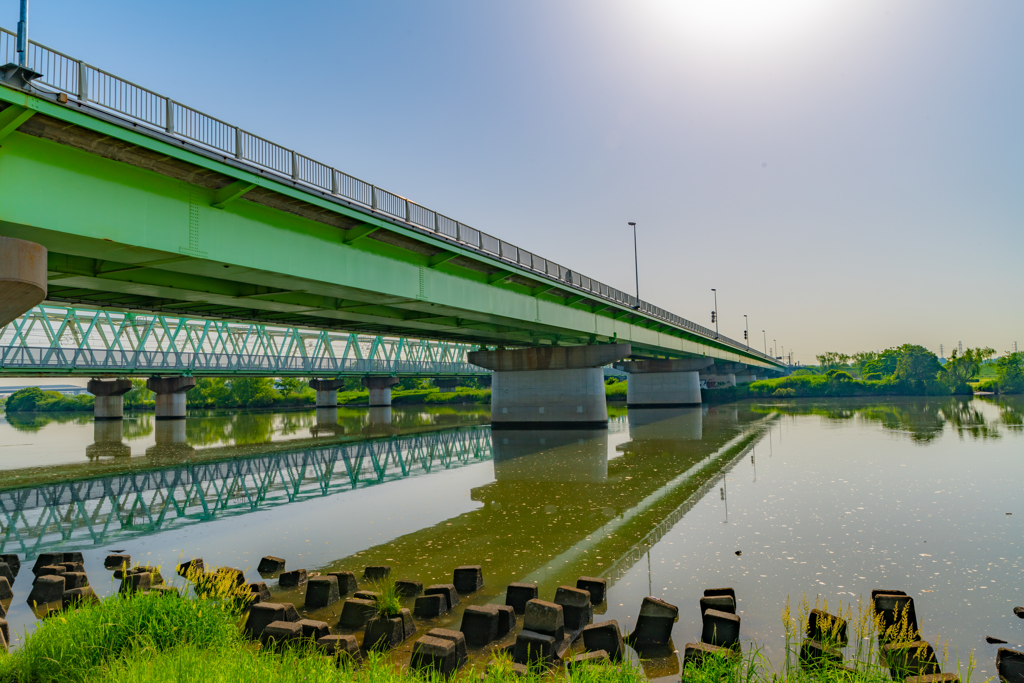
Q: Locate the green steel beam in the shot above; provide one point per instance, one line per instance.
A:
(230, 192)
(12, 117)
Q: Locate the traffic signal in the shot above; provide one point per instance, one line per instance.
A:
(713, 315)
(745, 334)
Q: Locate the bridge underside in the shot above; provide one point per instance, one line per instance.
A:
(146, 222)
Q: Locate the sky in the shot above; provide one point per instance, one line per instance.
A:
(848, 174)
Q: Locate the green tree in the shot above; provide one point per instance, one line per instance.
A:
(291, 385)
(860, 359)
(962, 367)
(881, 365)
(1009, 373)
(212, 391)
(253, 391)
(24, 400)
(832, 359)
(916, 364)
(138, 395)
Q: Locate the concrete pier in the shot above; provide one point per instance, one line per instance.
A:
(326, 391)
(107, 436)
(446, 384)
(380, 390)
(666, 424)
(22, 277)
(109, 404)
(170, 395)
(746, 377)
(663, 383)
(556, 387)
(721, 375)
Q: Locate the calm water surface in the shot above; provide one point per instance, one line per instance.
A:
(827, 498)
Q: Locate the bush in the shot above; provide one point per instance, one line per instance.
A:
(34, 399)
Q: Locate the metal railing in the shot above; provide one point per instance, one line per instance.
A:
(93, 86)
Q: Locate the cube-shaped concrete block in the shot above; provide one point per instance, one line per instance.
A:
(293, 579)
(654, 624)
(75, 580)
(261, 615)
(314, 629)
(826, 628)
(722, 603)
(355, 613)
(595, 586)
(456, 637)
(591, 657)
(480, 624)
(576, 608)
(376, 573)
(46, 560)
(6, 592)
(136, 582)
(605, 636)
(5, 635)
(280, 633)
(117, 561)
(721, 629)
(322, 591)
(290, 613)
(230, 575)
(506, 619)
(533, 647)
(259, 592)
(430, 606)
(191, 568)
(897, 615)
(346, 582)
(45, 589)
(448, 590)
(1010, 665)
(78, 596)
(815, 655)
(270, 565)
(714, 592)
(699, 653)
(408, 624)
(383, 633)
(545, 618)
(408, 589)
(367, 595)
(13, 561)
(468, 579)
(430, 653)
(884, 591)
(5, 572)
(73, 567)
(74, 557)
(338, 645)
(910, 659)
(518, 594)
(49, 570)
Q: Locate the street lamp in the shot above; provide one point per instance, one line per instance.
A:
(714, 313)
(22, 44)
(775, 346)
(636, 264)
(765, 335)
(746, 331)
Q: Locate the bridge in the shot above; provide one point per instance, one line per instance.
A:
(164, 209)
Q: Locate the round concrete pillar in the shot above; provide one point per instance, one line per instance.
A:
(22, 277)
(170, 395)
(108, 408)
(548, 399)
(380, 390)
(327, 398)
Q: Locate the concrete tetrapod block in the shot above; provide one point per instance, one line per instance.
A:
(591, 657)
(577, 611)
(721, 629)
(506, 619)
(261, 615)
(480, 624)
(6, 593)
(314, 629)
(596, 587)
(49, 570)
(270, 565)
(117, 561)
(383, 633)
(898, 617)
(191, 568)
(468, 579)
(408, 624)
(698, 653)
(355, 613)
(605, 636)
(715, 592)
(518, 594)
(75, 556)
(13, 561)
(136, 582)
(546, 618)
(338, 645)
(1010, 665)
(346, 582)
(533, 647)
(293, 579)
(815, 655)
(73, 567)
(278, 633)
(45, 589)
(376, 573)
(235, 576)
(408, 589)
(910, 659)
(5, 572)
(448, 590)
(322, 591)
(46, 560)
(456, 637)
(826, 628)
(78, 596)
(722, 603)
(367, 595)
(4, 630)
(654, 625)
(430, 606)
(75, 580)
(259, 591)
(437, 654)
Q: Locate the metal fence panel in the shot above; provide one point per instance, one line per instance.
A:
(203, 129)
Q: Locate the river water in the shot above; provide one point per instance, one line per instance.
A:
(824, 499)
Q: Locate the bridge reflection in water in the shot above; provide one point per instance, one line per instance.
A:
(115, 509)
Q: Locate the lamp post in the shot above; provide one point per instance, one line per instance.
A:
(765, 336)
(22, 45)
(746, 331)
(775, 346)
(714, 313)
(636, 264)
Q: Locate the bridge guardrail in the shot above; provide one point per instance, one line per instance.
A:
(54, 359)
(91, 85)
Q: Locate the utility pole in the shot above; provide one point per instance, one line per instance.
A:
(746, 331)
(765, 336)
(714, 313)
(23, 34)
(775, 346)
(636, 264)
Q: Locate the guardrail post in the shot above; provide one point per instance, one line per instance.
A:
(238, 143)
(83, 82)
(408, 211)
(169, 117)
(335, 186)
(373, 196)
(295, 166)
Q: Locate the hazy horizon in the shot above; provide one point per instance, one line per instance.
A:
(847, 174)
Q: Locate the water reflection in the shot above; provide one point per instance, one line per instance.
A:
(669, 423)
(108, 441)
(568, 455)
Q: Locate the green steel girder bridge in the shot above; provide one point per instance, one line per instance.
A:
(148, 205)
(57, 340)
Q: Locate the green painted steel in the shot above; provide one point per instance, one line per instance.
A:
(136, 218)
(55, 340)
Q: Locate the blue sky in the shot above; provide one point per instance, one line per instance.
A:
(847, 173)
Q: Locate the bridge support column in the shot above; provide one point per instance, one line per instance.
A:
(22, 277)
(326, 391)
(446, 384)
(109, 403)
(107, 439)
(170, 395)
(380, 390)
(549, 387)
(745, 377)
(721, 375)
(663, 383)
